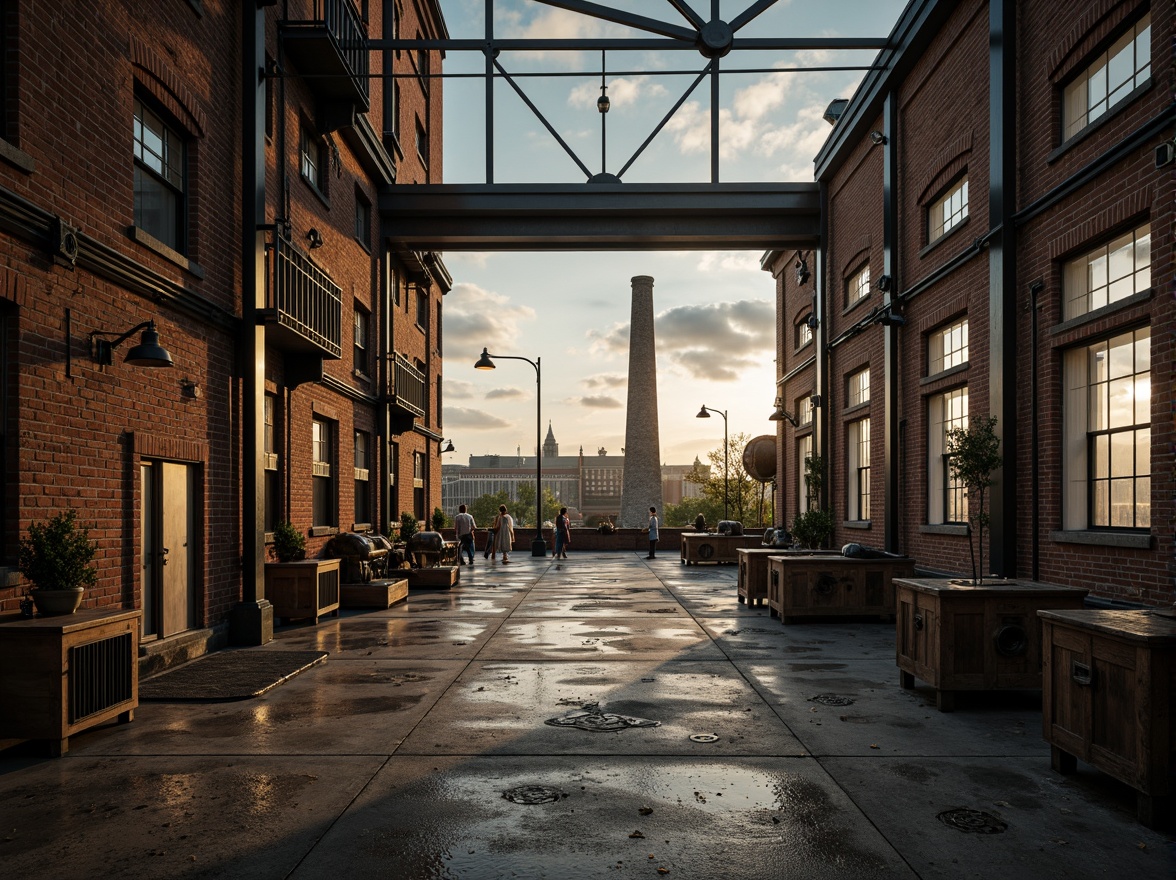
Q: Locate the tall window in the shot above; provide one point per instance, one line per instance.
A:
(418, 485)
(323, 471)
(422, 310)
(1108, 273)
(1107, 437)
(857, 286)
(363, 220)
(804, 451)
(948, 211)
(160, 197)
(859, 388)
(804, 410)
(1110, 78)
(859, 470)
(391, 280)
(270, 444)
(422, 143)
(947, 501)
(804, 332)
(947, 347)
(363, 495)
(313, 153)
(363, 364)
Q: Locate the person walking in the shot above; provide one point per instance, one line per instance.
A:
(563, 534)
(653, 524)
(464, 527)
(492, 538)
(504, 532)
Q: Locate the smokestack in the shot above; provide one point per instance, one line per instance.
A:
(642, 485)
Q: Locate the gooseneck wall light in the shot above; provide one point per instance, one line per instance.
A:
(704, 413)
(485, 362)
(148, 353)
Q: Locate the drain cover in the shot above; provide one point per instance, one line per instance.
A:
(592, 718)
(533, 794)
(972, 821)
(704, 738)
(831, 700)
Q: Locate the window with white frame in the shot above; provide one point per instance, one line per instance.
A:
(857, 286)
(324, 508)
(947, 347)
(948, 211)
(313, 158)
(1106, 462)
(160, 192)
(947, 500)
(418, 485)
(362, 360)
(858, 388)
(1108, 273)
(804, 410)
(363, 495)
(804, 332)
(270, 462)
(804, 452)
(1109, 79)
(858, 469)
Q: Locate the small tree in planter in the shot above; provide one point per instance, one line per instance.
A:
(289, 543)
(440, 520)
(55, 557)
(973, 453)
(813, 527)
(408, 525)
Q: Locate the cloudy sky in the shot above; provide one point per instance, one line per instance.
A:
(714, 312)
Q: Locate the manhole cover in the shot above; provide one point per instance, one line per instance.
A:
(831, 700)
(972, 821)
(533, 794)
(592, 718)
(704, 738)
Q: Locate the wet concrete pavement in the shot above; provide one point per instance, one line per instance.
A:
(391, 759)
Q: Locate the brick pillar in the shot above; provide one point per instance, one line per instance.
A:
(642, 486)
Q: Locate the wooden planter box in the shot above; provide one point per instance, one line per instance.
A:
(308, 588)
(439, 578)
(1109, 680)
(62, 675)
(959, 637)
(753, 573)
(374, 594)
(700, 547)
(814, 584)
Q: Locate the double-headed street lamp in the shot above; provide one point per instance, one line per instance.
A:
(704, 413)
(538, 547)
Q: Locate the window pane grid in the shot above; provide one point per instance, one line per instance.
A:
(858, 286)
(955, 416)
(1109, 273)
(1106, 82)
(859, 387)
(863, 470)
(947, 348)
(949, 211)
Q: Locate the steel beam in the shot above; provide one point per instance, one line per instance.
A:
(536, 217)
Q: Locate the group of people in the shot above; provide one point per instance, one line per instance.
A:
(500, 536)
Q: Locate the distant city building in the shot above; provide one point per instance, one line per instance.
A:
(588, 484)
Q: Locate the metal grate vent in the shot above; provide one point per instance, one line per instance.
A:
(328, 588)
(100, 676)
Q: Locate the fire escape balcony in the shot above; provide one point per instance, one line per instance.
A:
(405, 391)
(304, 307)
(330, 52)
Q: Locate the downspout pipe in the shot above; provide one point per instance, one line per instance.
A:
(1035, 487)
(892, 323)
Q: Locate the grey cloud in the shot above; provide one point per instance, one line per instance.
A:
(598, 401)
(473, 419)
(505, 394)
(605, 381)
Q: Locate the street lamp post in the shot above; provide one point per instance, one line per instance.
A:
(704, 413)
(538, 547)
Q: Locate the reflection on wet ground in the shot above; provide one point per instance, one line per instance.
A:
(753, 750)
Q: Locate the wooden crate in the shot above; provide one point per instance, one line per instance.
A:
(62, 675)
(438, 578)
(960, 637)
(698, 547)
(1107, 697)
(374, 594)
(753, 573)
(307, 588)
(808, 584)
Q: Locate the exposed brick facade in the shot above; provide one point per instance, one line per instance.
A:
(1070, 196)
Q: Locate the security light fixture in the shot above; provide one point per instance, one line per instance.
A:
(782, 415)
(448, 447)
(315, 238)
(878, 138)
(148, 353)
(802, 271)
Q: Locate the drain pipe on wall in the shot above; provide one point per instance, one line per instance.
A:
(1035, 487)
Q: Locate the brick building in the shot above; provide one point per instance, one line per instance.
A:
(1013, 259)
(212, 168)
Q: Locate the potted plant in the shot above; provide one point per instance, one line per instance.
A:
(289, 543)
(973, 453)
(812, 527)
(56, 557)
(408, 525)
(440, 520)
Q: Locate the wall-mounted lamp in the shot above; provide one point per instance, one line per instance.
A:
(802, 271)
(190, 389)
(315, 238)
(782, 415)
(884, 283)
(148, 353)
(813, 321)
(878, 138)
(448, 447)
(815, 400)
(888, 318)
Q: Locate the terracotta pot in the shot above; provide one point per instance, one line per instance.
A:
(54, 602)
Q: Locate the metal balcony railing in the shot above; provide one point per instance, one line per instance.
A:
(331, 49)
(305, 304)
(407, 385)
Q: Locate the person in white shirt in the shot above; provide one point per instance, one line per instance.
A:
(463, 528)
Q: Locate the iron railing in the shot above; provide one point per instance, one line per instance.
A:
(406, 385)
(304, 299)
(347, 30)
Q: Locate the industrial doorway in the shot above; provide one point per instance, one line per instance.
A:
(170, 547)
